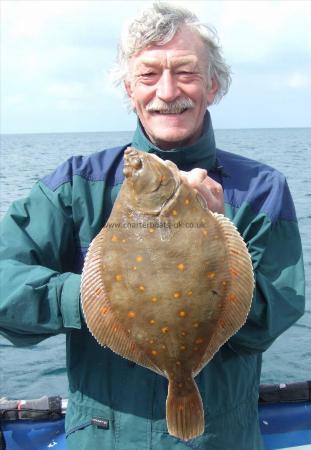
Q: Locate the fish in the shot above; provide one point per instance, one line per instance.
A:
(166, 282)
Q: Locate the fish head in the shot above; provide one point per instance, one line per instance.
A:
(150, 181)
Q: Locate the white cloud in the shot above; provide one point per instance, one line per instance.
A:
(252, 30)
(21, 20)
(298, 80)
(14, 101)
(73, 90)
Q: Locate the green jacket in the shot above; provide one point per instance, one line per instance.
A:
(113, 403)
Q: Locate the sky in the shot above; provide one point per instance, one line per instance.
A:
(56, 56)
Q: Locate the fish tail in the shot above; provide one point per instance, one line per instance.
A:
(184, 411)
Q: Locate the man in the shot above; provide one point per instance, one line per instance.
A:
(172, 71)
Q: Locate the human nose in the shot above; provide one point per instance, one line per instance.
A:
(167, 89)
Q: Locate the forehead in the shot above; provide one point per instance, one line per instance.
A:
(186, 47)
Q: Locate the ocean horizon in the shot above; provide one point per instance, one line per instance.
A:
(132, 131)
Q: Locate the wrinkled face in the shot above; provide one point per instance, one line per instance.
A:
(169, 89)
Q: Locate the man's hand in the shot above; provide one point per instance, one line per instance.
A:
(210, 190)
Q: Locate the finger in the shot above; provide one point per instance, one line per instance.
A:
(184, 175)
(205, 193)
(213, 195)
(214, 187)
(195, 176)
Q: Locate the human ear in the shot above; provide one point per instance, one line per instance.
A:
(212, 91)
(128, 88)
(129, 91)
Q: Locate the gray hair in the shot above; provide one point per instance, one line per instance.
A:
(158, 25)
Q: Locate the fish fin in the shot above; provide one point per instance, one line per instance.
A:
(99, 316)
(184, 412)
(240, 287)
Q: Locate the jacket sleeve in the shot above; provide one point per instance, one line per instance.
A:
(39, 291)
(276, 251)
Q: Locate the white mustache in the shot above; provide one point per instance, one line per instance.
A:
(175, 107)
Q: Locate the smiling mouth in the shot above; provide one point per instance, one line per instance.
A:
(169, 113)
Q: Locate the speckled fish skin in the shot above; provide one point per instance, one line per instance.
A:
(166, 282)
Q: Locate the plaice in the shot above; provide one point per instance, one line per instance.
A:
(166, 282)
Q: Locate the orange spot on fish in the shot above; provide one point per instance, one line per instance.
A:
(104, 310)
(141, 288)
(187, 201)
(151, 341)
(196, 325)
(164, 329)
(151, 230)
(181, 267)
(118, 277)
(182, 313)
(154, 352)
(183, 333)
(178, 363)
(152, 322)
(199, 341)
(183, 347)
(139, 258)
(154, 299)
(211, 275)
(134, 268)
(131, 314)
(224, 283)
(114, 238)
(234, 272)
(163, 346)
(222, 323)
(231, 297)
(174, 212)
(189, 293)
(205, 232)
(177, 294)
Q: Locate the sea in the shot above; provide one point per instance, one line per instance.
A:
(34, 371)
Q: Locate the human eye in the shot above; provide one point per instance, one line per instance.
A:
(185, 74)
(148, 73)
(184, 71)
(148, 76)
